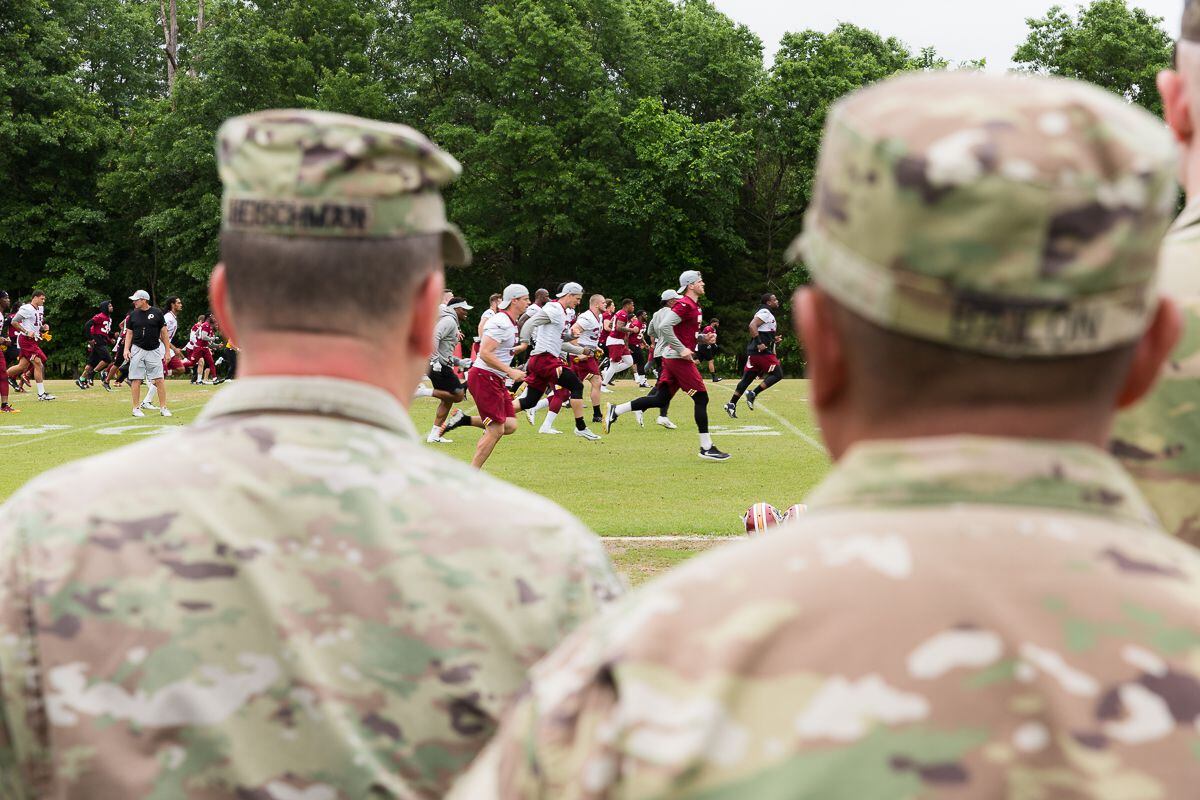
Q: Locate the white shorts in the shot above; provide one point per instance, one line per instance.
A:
(145, 365)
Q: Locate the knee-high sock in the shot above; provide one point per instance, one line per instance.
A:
(743, 385)
(614, 369)
(701, 401)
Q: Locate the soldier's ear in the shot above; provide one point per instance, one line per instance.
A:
(1176, 106)
(1152, 353)
(823, 350)
(218, 299)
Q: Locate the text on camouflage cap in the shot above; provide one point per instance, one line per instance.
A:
(1013, 216)
(315, 173)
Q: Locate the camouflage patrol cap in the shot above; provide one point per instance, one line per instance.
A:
(1190, 29)
(1013, 216)
(319, 174)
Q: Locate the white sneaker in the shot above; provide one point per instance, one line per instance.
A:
(640, 416)
(548, 430)
(435, 439)
(137, 412)
(666, 423)
(604, 388)
(587, 434)
(531, 415)
(166, 412)
(146, 404)
(643, 385)
(220, 361)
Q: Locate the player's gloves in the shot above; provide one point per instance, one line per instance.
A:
(436, 365)
(46, 336)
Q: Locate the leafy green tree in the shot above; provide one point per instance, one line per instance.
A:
(1108, 43)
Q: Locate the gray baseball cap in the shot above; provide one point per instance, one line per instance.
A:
(570, 288)
(514, 291)
(140, 294)
(688, 278)
(670, 294)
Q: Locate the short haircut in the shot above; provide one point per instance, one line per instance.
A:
(903, 374)
(38, 293)
(594, 298)
(715, 321)
(628, 301)
(495, 298)
(766, 298)
(307, 284)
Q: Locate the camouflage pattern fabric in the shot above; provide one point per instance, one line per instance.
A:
(1190, 24)
(315, 173)
(957, 616)
(1002, 215)
(274, 604)
(1158, 440)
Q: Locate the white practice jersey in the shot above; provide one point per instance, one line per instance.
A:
(503, 330)
(172, 325)
(28, 320)
(548, 338)
(767, 324)
(590, 328)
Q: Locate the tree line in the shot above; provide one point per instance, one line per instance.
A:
(614, 142)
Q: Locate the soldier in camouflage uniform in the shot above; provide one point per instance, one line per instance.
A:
(978, 603)
(1158, 441)
(292, 598)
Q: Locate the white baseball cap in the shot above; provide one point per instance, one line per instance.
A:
(570, 288)
(514, 291)
(669, 294)
(688, 278)
(458, 302)
(140, 294)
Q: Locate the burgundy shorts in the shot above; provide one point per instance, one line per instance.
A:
(586, 367)
(683, 376)
(491, 398)
(174, 362)
(542, 372)
(29, 349)
(616, 352)
(762, 365)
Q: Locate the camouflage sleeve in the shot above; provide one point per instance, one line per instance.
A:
(592, 584)
(22, 728)
(551, 743)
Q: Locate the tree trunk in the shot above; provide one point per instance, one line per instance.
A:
(199, 29)
(170, 26)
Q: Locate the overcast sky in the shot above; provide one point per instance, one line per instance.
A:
(959, 29)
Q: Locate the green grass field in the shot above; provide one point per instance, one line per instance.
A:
(636, 482)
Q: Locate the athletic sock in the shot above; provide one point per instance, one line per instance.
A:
(705, 441)
(548, 422)
(41, 388)
(580, 425)
(624, 408)
(434, 430)
(423, 391)
(543, 403)
(151, 394)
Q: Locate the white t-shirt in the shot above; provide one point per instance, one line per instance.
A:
(500, 328)
(549, 338)
(29, 320)
(767, 324)
(172, 325)
(589, 329)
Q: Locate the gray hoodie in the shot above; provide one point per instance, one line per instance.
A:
(445, 339)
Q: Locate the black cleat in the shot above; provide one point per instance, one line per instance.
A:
(750, 399)
(713, 454)
(716, 379)
(730, 409)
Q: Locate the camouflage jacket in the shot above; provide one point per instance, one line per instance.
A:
(1158, 440)
(964, 616)
(291, 598)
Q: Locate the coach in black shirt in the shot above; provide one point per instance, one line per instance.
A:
(145, 345)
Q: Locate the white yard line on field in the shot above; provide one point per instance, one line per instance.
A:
(631, 539)
(758, 406)
(39, 438)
